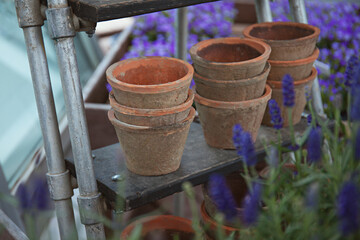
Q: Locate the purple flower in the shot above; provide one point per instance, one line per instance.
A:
(108, 87)
(314, 143)
(237, 131)
(247, 150)
(357, 146)
(352, 65)
(355, 106)
(251, 205)
(309, 119)
(288, 91)
(35, 196)
(275, 114)
(348, 208)
(222, 196)
(23, 197)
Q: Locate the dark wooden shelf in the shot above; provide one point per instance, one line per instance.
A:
(102, 10)
(198, 162)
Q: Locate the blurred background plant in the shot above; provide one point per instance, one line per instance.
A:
(339, 22)
(154, 34)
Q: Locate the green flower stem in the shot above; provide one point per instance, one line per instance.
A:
(189, 191)
(348, 108)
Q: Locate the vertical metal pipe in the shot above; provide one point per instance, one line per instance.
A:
(62, 30)
(263, 11)
(181, 25)
(49, 126)
(298, 11)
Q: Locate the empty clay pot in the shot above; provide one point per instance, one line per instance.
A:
(300, 88)
(161, 227)
(152, 117)
(218, 118)
(229, 58)
(152, 151)
(232, 91)
(288, 40)
(150, 82)
(298, 69)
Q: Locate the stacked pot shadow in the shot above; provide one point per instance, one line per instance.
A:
(293, 52)
(151, 111)
(230, 78)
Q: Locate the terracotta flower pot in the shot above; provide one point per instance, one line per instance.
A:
(152, 117)
(218, 118)
(161, 227)
(152, 151)
(298, 69)
(212, 226)
(229, 58)
(300, 88)
(231, 91)
(288, 40)
(150, 82)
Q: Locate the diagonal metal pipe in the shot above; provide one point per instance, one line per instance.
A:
(30, 20)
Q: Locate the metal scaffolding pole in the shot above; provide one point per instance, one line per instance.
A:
(298, 11)
(62, 31)
(58, 177)
(181, 25)
(263, 11)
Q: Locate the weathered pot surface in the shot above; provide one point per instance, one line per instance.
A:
(161, 227)
(229, 58)
(152, 151)
(150, 82)
(152, 117)
(288, 40)
(300, 88)
(298, 69)
(231, 91)
(218, 118)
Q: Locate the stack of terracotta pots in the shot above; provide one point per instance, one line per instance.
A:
(293, 52)
(230, 78)
(151, 111)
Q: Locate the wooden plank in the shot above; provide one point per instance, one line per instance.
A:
(198, 162)
(102, 10)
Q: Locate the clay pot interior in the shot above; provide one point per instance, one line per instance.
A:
(280, 32)
(221, 52)
(156, 71)
(162, 227)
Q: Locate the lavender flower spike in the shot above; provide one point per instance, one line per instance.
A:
(314, 145)
(247, 149)
(351, 66)
(355, 109)
(275, 114)
(222, 196)
(237, 131)
(288, 91)
(348, 208)
(251, 205)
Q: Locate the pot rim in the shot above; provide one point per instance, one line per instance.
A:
(302, 61)
(315, 34)
(129, 127)
(232, 105)
(239, 81)
(229, 40)
(151, 112)
(151, 222)
(154, 88)
(278, 84)
(208, 219)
